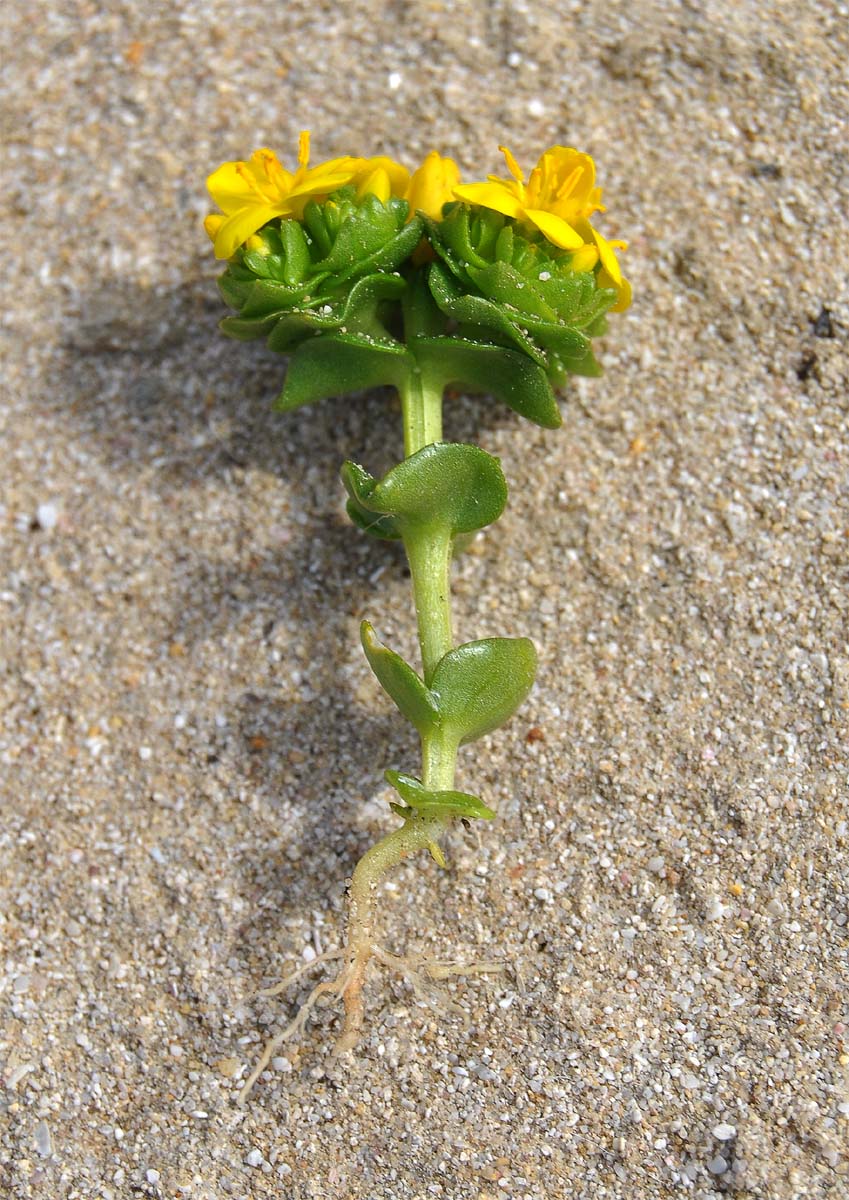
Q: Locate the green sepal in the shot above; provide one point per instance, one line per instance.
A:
(400, 682)
(478, 686)
(508, 375)
(337, 363)
(450, 485)
(442, 803)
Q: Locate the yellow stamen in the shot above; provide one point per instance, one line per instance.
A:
(304, 149)
(512, 166)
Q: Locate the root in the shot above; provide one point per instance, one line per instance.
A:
(337, 986)
(348, 985)
(277, 988)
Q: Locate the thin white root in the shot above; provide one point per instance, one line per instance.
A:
(442, 970)
(336, 986)
(277, 988)
(418, 972)
(414, 971)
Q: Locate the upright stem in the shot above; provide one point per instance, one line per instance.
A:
(421, 406)
(429, 555)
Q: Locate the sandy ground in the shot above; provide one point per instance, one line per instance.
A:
(191, 743)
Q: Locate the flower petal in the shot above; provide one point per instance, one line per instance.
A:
(232, 186)
(212, 224)
(432, 185)
(554, 229)
(239, 226)
(623, 288)
(610, 274)
(397, 175)
(608, 259)
(376, 183)
(496, 195)
(584, 259)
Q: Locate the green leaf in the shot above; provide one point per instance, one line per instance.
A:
(456, 486)
(268, 296)
(427, 802)
(234, 285)
(501, 282)
(353, 311)
(296, 251)
(336, 363)
(478, 686)
(400, 681)
(508, 375)
(359, 486)
(479, 313)
(372, 238)
(246, 331)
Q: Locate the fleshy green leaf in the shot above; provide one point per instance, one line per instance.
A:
(268, 296)
(246, 331)
(337, 363)
(508, 375)
(445, 484)
(400, 681)
(355, 311)
(359, 485)
(478, 313)
(425, 801)
(501, 282)
(296, 251)
(479, 685)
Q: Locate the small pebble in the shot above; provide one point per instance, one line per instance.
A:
(43, 1143)
(724, 1131)
(254, 1158)
(47, 515)
(718, 1165)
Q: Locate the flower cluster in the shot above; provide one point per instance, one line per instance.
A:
(552, 207)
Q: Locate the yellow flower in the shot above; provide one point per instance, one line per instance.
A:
(432, 185)
(252, 193)
(558, 199)
(382, 177)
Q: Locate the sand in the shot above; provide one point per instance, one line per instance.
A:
(192, 746)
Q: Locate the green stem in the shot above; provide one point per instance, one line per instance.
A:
(429, 554)
(421, 406)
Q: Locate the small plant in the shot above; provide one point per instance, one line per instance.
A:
(366, 275)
